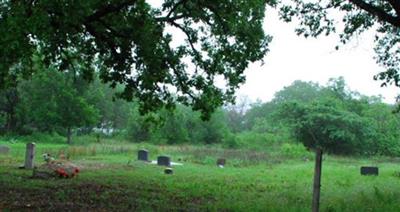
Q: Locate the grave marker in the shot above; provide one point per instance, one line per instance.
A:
(168, 171)
(143, 155)
(221, 162)
(29, 156)
(4, 149)
(369, 170)
(164, 161)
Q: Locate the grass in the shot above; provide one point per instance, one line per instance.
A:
(112, 179)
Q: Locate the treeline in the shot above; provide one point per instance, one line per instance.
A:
(333, 117)
(65, 104)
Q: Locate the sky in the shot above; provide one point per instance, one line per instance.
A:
(293, 57)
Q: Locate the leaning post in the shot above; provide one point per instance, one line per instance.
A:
(317, 180)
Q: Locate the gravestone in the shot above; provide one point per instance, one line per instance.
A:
(143, 155)
(29, 156)
(369, 170)
(221, 162)
(168, 171)
(4, 149)
(164, 161)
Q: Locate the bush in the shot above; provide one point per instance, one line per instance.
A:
(253, 140)
(295, 150)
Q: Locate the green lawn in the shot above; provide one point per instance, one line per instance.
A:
(112, 179)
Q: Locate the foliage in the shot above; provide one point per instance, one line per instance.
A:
(129, 42)
(325, 125)
(358, 16)
(179, 126)
(332, 116)
(113, 111)
(50, 102)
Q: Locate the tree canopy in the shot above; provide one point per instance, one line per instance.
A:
(383, 16)
(129, 43)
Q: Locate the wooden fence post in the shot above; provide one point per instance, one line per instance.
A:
(317, 180)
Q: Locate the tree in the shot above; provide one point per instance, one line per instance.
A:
(113, 111)
(179, 126)
(235, 113)
(318, 17)
(52, 103)
(325, 126)
(298, 91)
(8, 109)
(129, 42)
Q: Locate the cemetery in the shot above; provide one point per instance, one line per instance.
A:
(146, 177)
(200, 105)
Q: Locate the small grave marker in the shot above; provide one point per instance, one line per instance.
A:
(143, 155)
(168, 171)
(4, 149)
(164, 161)
(369, 170)
(29, 156)
(221, 162)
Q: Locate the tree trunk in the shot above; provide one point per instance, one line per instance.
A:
(69, 135)
(10, 106)
(317, 180)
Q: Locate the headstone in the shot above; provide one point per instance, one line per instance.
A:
(29, 156)
(4, 149)
(168, 171)
(369, 170)
(221, 162)
(164, 161)
(143, 155)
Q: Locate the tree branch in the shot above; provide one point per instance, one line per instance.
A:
(113, 31)
(102, 38)
(107, 9)
(396, 6)
(188, 36)
(175, 7)
(170, 19)
(379, 13)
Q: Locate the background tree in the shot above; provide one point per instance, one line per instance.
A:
(235, 113)
(52, 104)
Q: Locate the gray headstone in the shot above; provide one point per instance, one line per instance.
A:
(4, 149)
(30, 156)
(369, 170)
(221, 162)
(143, 155)
(164, 161)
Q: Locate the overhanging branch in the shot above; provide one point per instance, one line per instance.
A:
(107, 9)
(396, 6)
(379, 13)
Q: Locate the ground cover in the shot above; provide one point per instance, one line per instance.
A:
(253, 180)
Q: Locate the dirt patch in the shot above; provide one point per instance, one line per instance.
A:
(85, 196)
(89, 196)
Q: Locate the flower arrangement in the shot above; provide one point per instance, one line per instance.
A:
(67, 172)
(60, 168)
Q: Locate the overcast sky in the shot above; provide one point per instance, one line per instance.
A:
(292, 57)
(295, 58)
